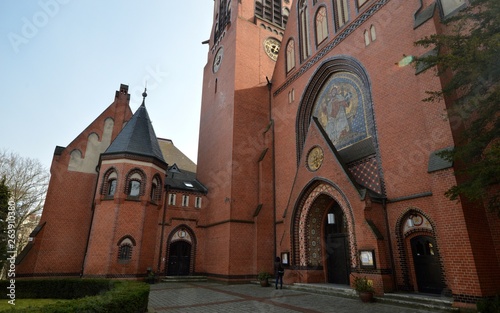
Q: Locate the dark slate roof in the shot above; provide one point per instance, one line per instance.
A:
(137, 137)
(358, 150)
(437, 163)
(183, 180)
(422, 16)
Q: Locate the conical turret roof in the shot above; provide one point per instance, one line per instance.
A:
(137, 137)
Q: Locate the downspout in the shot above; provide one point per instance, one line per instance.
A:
(97, 168)
(384, 206)
(165, 203)
(273, 157)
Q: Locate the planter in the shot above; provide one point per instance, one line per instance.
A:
(264, 283)
(366, 296)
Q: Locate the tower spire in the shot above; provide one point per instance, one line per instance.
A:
(144, 95)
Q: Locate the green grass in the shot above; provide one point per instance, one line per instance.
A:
(24, 303)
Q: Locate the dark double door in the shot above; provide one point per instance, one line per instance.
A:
(337, 261)
(179, 258)
(427, 265)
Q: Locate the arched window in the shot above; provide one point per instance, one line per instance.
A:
(290, 55)
(112, 187)
(286, 13)
(373, 32)
(134, 187)
(367, 38)
(125, 249)
(155, 193)
(341, 13)
(321, 25)
(305, 50)
(171, 198)
(185, 200)
(222, 18)
(270, 11)
(109, 183)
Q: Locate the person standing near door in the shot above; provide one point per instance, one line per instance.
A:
(278, 272)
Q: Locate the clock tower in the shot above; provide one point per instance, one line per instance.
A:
(235, 153)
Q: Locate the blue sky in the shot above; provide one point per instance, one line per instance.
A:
(62, 60)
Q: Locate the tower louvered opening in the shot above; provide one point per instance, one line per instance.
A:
(270, 10)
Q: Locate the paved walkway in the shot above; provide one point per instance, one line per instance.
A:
(212, 297)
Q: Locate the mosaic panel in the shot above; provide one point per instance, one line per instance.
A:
(366, 173)
(309, 226)
(341, 109)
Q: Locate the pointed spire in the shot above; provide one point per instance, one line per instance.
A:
(138, 136)
(144, 95)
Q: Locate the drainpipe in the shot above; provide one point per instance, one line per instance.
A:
(97, 168)
(165, 203)
(273, 156)
(384, 206)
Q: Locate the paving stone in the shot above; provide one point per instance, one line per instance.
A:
(210, 297)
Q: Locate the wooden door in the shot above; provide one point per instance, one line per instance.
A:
(179, 258)
(338, 264)
(427, 266)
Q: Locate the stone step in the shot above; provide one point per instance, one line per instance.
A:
(327, 289)
(419, 301)
(179, 279)
(431, 302)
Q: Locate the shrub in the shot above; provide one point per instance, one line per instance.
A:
(363, 284)
(119, 297)
(71, 288)
(264, 276)
(491, 305)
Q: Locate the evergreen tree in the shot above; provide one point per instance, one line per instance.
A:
(468, 61)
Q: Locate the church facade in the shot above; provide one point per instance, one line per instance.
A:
(314, 146)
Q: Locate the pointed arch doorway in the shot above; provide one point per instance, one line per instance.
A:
(179, 258)
(180, 253)
(323, 234)
(424, 272)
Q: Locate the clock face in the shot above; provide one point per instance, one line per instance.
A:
(272, 47)
(218, 59)
(315, 158)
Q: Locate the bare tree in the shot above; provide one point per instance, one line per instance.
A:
(27, 181)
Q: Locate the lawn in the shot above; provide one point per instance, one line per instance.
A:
(24, 303)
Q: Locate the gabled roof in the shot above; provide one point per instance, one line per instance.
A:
(173, 155)
(183, 180)
(137, 137)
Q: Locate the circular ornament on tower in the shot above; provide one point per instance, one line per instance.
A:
(218, 59)
(315, 158)
(272, 47)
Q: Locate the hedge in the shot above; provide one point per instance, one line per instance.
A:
(90, 295)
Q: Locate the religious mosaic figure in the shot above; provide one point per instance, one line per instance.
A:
(340, 110)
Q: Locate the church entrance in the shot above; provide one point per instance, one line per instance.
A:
(427, 266)
(179, 258)
(336, 246)
(323, 235)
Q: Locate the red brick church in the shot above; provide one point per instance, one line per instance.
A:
(314, 146)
